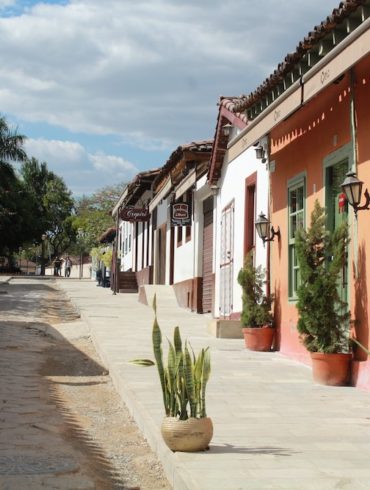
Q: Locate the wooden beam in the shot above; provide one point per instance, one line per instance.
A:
(365, 12)
(338, 36)
(312, 57)
(325, 45)
(351, 23)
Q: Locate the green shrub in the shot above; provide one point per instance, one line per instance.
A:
(256, 310)
(323, 317)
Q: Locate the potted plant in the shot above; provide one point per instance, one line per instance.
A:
(323, 316)
(183, 379)
(256, 315)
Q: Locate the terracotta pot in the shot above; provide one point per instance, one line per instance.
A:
(258, 339)
(331, 369)
(187, 435)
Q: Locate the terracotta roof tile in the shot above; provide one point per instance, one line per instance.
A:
(202, 146)
(313, 38)
(229, 115)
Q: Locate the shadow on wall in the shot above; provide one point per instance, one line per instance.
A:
(277, 318)
(361, 329)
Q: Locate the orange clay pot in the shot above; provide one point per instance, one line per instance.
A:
(258, 339)
(331, 369)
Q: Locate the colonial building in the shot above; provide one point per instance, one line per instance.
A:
(314, 111)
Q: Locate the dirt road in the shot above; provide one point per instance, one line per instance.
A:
(62, 425)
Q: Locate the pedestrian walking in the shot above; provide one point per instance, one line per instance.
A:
(57, 266)
(67, 267)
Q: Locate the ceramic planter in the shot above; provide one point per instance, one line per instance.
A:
(331, 369)
(187, 435)
(258, 339)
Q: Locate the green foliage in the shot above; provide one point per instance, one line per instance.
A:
(184, 378)
(323, 317)
(14, 212)
(94, 213)
(107, 259)
(256, 305)
(50, 203)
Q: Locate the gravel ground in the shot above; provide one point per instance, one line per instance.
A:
(97, 416)
(62, 424)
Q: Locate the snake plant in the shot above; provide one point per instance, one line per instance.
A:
(184, 378)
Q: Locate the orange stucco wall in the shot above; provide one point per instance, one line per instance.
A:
(360, 291)
(300, 144)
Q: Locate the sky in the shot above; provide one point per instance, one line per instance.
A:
(106, 89)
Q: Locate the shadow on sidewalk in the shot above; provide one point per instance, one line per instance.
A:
(39, 364)
(229, 448)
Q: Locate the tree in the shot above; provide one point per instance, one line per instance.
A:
(13, 208)
(323, 316)
(51, 204)
(94, 213)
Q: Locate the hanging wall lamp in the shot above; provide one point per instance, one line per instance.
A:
(226, 129)
(265, 232)
(260, 152)
(352, 187)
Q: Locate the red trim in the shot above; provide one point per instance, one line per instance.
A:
(224, 116)
(249, 212)
(232, 118)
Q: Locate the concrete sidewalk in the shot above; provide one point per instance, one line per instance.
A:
(273, 428)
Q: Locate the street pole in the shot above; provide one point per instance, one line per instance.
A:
(81, 266)
(43, 238)
(115, 256)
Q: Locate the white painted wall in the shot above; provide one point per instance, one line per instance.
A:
(126, 254)
(232, 187)
(188, 257)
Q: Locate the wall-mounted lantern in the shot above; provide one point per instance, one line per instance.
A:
(264, 229)
(260, 152)
(226, 129)
(352, 187)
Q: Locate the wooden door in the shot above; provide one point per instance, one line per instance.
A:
(161, 270)
(227, 261)
(207, 256)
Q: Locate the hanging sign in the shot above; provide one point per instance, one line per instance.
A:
(342, 203)
(134, 214)
(181, 214)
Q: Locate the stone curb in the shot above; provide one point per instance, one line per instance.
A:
(178, 476)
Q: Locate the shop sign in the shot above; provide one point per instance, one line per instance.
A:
(134, 214)
(181, 214)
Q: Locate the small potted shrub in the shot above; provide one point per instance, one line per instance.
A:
(323, 316)
(183, 379)
(256, 315)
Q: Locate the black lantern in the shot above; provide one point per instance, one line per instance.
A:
(264, 231)
(226, 129)
(260, 152)
(352, 187)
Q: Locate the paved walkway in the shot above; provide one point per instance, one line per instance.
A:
(273, 427)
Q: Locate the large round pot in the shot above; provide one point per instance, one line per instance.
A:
(187, 435)
(258, 339)
(331, 369)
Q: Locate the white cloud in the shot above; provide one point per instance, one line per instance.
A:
(82, 171)
(149, 71)
(111, 163)
(7, 3)
(58, 154)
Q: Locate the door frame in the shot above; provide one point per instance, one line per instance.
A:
(230, 206)
(337, 156)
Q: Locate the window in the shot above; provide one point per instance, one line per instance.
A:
(189, 199)
(296, 210)
(179, 236)
(249, 213)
